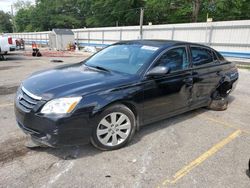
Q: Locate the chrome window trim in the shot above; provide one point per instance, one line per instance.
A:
(30, 94)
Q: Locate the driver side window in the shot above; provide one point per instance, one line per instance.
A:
(175, 59)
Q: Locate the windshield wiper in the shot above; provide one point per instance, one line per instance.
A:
(99, 68)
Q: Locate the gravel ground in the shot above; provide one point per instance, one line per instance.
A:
(201, 148)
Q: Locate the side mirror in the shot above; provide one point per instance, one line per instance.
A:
(158, 71)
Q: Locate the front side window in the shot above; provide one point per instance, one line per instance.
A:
(201, 56)
(175, 59)
(123, 58)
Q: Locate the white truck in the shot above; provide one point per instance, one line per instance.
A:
(7, 44)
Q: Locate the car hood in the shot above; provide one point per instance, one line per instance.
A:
(73, 80)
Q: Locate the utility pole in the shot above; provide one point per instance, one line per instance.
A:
(12, 17)
(141, 23)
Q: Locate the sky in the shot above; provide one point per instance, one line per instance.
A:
(5, 5)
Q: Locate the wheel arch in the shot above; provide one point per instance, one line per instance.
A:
(223, 87)
(129, 104)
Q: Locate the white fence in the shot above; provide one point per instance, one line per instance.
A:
(228, 36)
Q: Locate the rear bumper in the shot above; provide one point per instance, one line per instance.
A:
(234, 80)
(56, 130)
(234, 84)
(12, 49)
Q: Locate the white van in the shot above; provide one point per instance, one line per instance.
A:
(7, 44)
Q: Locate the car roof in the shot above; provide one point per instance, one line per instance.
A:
(159, 43)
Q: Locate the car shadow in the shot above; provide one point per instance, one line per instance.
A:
(70, 152)
(16, 56)
(248, 173)
(230, 99)
(76, 152)
(149, 128)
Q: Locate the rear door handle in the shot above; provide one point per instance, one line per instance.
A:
(188, 81)
(218, 73)
(195, 75)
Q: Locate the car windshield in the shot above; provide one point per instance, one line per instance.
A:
(124, 58)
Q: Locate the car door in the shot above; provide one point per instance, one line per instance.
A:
(168, 94)
(206, 74)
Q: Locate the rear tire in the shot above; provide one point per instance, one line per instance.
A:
(114, 128)
(218, 102)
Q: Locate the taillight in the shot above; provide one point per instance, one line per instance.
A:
(10, 40)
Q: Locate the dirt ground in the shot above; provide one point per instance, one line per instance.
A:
(201, 148)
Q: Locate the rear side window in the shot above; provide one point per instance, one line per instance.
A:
(201, 56)
(215, 56)
(220, 56)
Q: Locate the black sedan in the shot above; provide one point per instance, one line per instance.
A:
(106, 98)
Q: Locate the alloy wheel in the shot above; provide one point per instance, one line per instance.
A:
(113, 129)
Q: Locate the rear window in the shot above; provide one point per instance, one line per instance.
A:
(201, 56)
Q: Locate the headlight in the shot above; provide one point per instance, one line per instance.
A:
(61, 105)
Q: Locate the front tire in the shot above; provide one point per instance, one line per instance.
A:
(114, 128)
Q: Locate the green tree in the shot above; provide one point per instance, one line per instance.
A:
(48, 14)
(24, 17)
(110, 12)
(230, 10)
(57, 14)
(157, 12)
(168, 11)
(23, 20)
(5, 22)
(21, 4)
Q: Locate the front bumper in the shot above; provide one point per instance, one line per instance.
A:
(55, 130)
